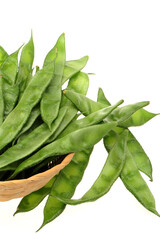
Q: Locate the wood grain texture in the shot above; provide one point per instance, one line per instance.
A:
(19, 188)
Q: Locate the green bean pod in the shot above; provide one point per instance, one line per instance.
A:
(101, 98)
(51, 98)
(66, 183)
(33, 199)
(138, 118)
(25, 66)
(3, 55)
(78, 83)
(135, 160)
(72, 67)
(10, 89)
(30, 121)
(138, 154)
(9, 67)
(10, 167)
(109, 174)
(83, 103)
(26, 146)
(134, 182)
(140, 157)
(1, 101)
(91, 119)
(71, 112)
(10, 95)
(87, 106)
(73, 142)
(12, 125)
(73, 83)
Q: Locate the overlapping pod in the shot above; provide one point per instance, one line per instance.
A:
(3, 55)
(32, 94)
(51, 98)
(136, 159)
(25, 66)
(26, 146)
(1, 101)
(87, 106)
(73, 142)
(10, 89)
(109, 174)
(38, 120)
(65, 184)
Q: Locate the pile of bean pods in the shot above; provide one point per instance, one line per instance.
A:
(40, 123)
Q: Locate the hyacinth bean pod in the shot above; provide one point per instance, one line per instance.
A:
(30, 121)
(140, 157)
(51, 98)
(3, 55)
(10, 167)
(74, 83)
(65, 184)
(110, 172)
(135, 149)
(136, 159)
(25, 66)
(10, 95)
(26, 146)
(1, 101)
(12, 125)
(81, 86)
(78, 83)
(71, 112)
(32, 200)
(72, 67)
(134, 182)
(73, 142)
(39, 126)
(33, 127)
(89, 120)
(9, 68)
(101, 98)
(87, 106)
(10, 89)
(138, 118)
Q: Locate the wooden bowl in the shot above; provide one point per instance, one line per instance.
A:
(19, 188)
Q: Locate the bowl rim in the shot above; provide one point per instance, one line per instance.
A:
(17, 188)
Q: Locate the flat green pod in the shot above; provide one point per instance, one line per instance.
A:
(73, 142)
(25, 66)
(32, 200)
(108, 175)
(66, 183)
(134, 182)
(31, 96)
(3, 55)
(51, 98)
(72, 67)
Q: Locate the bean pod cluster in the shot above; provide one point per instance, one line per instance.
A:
(40, 122)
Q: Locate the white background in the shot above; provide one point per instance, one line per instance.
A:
(122, 39)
